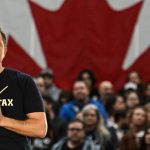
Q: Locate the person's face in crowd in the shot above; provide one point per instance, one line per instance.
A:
(134, 77)
(132, 100)
(105, 87)
(147, 137)
(87, 80)
(119, 103)
(3, 49)
(90, 118)
(147, 91)
(75, 132)
(138, 117)
(48, 81)
(39, 81)
(80, 91)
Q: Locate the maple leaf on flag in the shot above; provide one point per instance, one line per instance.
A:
(70, 35)
(85, 34)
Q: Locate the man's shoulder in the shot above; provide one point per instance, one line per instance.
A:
(18, 73)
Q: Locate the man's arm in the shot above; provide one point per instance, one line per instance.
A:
(34, 126)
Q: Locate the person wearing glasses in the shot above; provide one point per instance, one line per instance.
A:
(75, 139)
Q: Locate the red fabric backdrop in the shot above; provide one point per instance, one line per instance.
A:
(82, 34)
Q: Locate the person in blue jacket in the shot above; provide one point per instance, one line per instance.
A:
(81, 98)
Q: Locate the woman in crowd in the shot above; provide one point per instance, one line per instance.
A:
(95, 129)
(135, 77)
(119, 103)
(132, 100)
(89, 78)
(132, 139)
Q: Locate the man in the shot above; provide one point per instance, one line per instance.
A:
(81, 98)
(21, 110)
(105, 88)
(51, 89)
(106, 93)
(39, 81)
(75, 138)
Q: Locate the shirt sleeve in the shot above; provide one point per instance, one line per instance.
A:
(32, 99)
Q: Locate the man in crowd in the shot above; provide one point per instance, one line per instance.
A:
(81, 98)
(105, 89)
(51, 89)
(75, 139)
(39, 81)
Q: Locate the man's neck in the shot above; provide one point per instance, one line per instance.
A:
(71, 144)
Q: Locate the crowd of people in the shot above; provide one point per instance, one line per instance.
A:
(95, 118)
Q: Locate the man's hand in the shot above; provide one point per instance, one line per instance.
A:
(34, 126)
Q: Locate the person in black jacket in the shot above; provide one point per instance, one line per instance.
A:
(75, 139)
(145, 142)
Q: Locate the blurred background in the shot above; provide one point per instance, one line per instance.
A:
(109, 37)
(104, 43)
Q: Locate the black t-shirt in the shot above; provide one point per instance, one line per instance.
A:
(65, 147)
(18, 97)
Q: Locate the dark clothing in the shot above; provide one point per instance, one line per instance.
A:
(145, 101)
(100, 141)
(144, 145)
(61, 145)
(59, 127)
(65, 147)
(18, 97)
(129, 142)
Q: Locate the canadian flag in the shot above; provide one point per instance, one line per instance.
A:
(110, 37)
